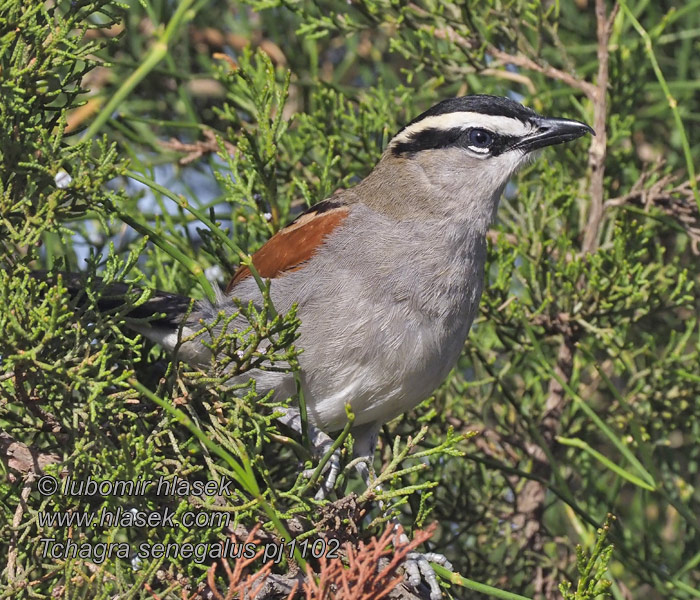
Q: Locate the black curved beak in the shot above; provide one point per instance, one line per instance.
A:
(549, 132)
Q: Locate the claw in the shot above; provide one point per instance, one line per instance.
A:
(417, 569)
(321, 444)
(440, 559)
(333, 468)
(412, 570)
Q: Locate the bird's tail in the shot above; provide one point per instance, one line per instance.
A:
(160, 309)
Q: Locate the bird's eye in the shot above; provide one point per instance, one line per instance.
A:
(479, 139)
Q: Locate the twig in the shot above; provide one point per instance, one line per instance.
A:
(672, 102)
(198, 148)
(547, 70)
(448, 33)
(511, 76)
(30, 401)
(16, 520)
(22, 458)
(677, 202)
(598, 149)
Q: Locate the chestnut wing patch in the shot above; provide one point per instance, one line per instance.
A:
(290, 247)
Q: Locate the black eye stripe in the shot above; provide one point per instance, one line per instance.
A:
(502, 143)
(433, 138)
(428, 139)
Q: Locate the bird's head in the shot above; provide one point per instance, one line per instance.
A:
(460, 153)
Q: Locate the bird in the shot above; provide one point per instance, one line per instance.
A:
(386, 275)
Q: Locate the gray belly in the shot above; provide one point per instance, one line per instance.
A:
(382, 363)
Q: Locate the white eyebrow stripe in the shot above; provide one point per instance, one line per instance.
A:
(464, 119)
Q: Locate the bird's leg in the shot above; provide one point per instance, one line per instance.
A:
(417, 565)
(320, 443)
(364, 446)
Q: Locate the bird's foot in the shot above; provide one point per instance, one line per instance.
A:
(321, 444)
(417, 568)
(330, 469)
